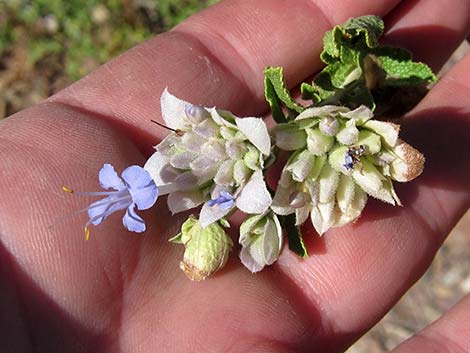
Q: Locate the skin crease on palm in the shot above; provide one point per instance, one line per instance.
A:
(122, 292)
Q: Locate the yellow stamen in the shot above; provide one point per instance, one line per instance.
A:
(87, 233)
(66, 189)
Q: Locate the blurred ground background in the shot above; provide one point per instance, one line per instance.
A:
(47, 44)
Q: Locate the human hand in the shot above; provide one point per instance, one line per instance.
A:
(124, 292)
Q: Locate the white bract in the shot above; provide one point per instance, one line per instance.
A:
(213, 158)
(339, 158)
(261, 241)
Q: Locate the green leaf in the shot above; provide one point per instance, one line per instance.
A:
(276, 92)
(358, 34)
(271, 98)
(294, 236)
(330, 49)
(399, 68)
(369, 27)
(224, 223)
(176, 239)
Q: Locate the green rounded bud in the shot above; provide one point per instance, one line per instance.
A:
(207, 249)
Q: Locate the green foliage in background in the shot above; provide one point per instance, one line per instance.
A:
(86, 33)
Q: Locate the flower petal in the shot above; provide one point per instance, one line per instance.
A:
(354, 209)
(172, 110)
(328, 183)
(301, 215)
(241, 172)
(99, 210)
(142, 188)
(370, 140)
(289, 137)
(132, 221)
(360, 115)
(345, 192)
(254, 197)
(368, 178)
(162, 173)
(252, 257)
(186, 181)
(214, 149)
(224, 175)
(337, 158)
(388, 131)
(322, 217)
(211, 214)
(206, 129)
(235, 148)
(109, 178)
(256, 132)
(349, 134)
(184, 200)
(223, 117)
(318, 143)
(321, 111)
(192, 142)
(272, 239)
(182, 160)
(301, 166)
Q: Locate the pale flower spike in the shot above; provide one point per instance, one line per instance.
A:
(135, 188)
(339, 154)
(342, 157)
(216, 160)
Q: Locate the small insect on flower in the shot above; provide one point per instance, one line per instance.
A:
(134, 188)
(353, 156)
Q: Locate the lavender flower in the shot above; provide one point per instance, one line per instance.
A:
(135, 188)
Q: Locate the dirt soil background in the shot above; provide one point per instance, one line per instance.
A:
(24, 82)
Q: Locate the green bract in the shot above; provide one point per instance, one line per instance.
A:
(206, 249)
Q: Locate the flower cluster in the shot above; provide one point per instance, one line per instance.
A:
(340, 156)
(213, 160)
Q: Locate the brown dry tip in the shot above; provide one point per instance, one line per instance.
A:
(193, 273)
(414, 160)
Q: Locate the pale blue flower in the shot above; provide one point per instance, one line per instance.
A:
(135, 188)
(224, 200)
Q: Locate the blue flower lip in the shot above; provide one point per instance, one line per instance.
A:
(134, 188)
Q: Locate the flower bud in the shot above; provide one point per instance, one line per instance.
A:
(195, 113)
(261, 240)
(207, 249)
(329, 126)
(298, 199)
(318, 143)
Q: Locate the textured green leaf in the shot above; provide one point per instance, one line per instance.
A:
(294, 236)
(399, 68)
(330, 48)
(271, 98)
(274, 81)
(369, 27)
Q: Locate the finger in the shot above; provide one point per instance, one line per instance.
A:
(448, 334)
(215, 58)
(427, 30)
(356, 273)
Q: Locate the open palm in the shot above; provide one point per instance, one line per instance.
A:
(124, 292)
